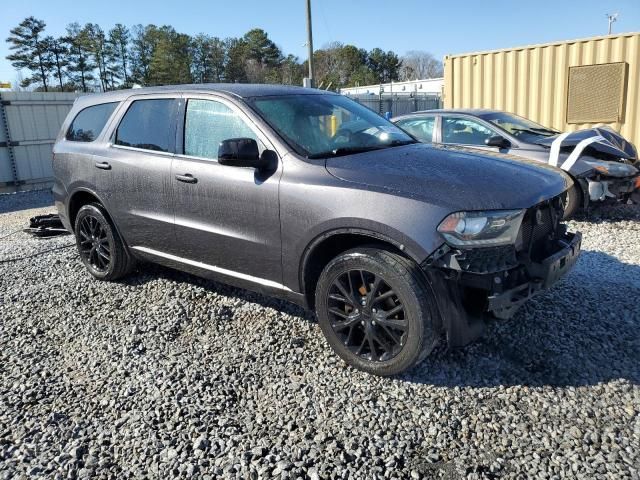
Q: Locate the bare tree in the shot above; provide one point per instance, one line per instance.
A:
(418, 64)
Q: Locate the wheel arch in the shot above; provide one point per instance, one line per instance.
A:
(83, 196)
(77, 200)
(326, 246)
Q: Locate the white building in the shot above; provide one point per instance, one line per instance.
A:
(430, 85)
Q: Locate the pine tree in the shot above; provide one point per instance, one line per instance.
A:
(119, 38)
(98, 49)
(59, 53)
(234, 69)
(201, 54)
(30, 51)
(143, 44)
(80, 66)
(171, 58)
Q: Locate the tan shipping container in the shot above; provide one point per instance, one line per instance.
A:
(547, 83)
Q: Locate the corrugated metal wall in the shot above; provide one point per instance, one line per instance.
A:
(532, 81)
(33, 120)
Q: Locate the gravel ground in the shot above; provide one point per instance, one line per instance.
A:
(166, 375)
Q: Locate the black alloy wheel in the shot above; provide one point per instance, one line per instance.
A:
(100, 247)
(94, 246)
(377, 310)
(367, 315)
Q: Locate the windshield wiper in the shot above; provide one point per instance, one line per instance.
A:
(341, 151)
(537, 131)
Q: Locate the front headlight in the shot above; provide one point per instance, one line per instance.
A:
(613, 169)
(481, 229)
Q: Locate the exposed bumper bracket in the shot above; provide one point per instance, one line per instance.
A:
(543, 274)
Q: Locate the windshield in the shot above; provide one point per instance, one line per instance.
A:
(319, 126)
(519, 127)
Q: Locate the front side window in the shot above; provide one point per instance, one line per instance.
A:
(207, 123)
(89, 122)
(421, 128)
(326, 125)
(147, 125)
(464, 131)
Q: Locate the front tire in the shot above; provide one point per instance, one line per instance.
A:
(100, 247)
(375, 309)
(574, 200)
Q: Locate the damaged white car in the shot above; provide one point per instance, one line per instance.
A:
(602, 163)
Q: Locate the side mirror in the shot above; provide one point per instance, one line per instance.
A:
(497, 141)
(240, 152)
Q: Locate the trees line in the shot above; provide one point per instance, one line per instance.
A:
(88, 58)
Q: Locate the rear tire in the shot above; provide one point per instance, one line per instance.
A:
(100, 247)
(375, 309)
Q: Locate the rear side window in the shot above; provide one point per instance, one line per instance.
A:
(89, 122)
(421, 128)
(207, 123)
(147, 125)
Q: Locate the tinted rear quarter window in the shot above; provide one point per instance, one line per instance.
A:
(147, 125)
(89, 122)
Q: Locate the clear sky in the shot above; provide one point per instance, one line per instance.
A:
(440, 27)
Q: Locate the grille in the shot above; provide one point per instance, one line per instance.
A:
(538, 226)
(487, 260)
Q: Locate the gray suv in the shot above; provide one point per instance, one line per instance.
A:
(309, 196)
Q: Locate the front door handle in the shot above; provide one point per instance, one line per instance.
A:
(103, 165)
(186, 178)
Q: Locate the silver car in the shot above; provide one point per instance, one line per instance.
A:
(601, 162)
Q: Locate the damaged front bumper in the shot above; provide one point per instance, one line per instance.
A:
(603, 188)
(473, 282)
(541, 275)
(498, 284)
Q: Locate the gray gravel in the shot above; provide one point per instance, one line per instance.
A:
(166, 375)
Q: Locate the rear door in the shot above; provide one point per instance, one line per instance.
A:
(226, 218)
(135, 170)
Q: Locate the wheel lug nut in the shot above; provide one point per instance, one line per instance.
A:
(362, 322)
(363, 302)
(373, 310)
(373, 322)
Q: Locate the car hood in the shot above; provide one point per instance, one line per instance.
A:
(454, 177)
(612, 145)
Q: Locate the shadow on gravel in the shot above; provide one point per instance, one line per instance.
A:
(13, 202)
(583, 331)
(150, 272)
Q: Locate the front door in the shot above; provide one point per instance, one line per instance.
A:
(461, 130)
(226, 218)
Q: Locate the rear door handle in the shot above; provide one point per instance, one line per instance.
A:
(103, 165)
(186, 178)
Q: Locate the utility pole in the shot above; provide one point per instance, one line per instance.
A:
(612, 18)
(309, 81)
